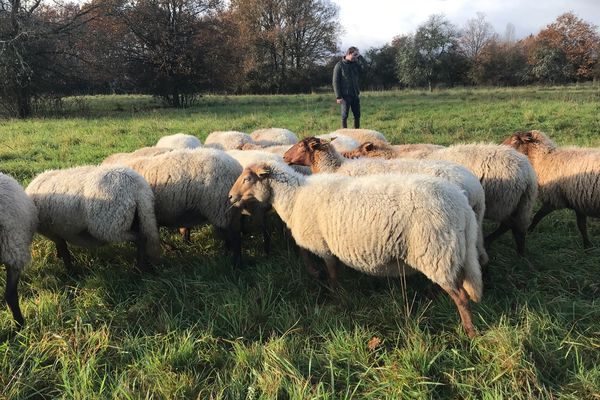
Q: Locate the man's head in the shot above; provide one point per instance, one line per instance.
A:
(352, 54)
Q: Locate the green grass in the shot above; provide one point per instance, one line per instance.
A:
(199, 329)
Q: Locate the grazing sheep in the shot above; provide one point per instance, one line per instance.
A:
(507, 177)
(362, 135)
(257, 212)
(421, 223)
(320, 156)
(227, 140)
(179, 141)
(119, 158)
(273, 137)
(18, 220)
(191, 187)
(93, 205)
(342, 143)
(379, 149)
(568, 177)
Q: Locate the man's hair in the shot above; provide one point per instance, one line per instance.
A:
(351, 50)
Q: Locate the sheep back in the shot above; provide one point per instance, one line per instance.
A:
(227, 140)
(179, 141)
(274, 137)
(362, 135)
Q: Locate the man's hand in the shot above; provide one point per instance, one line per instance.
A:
(340, 101)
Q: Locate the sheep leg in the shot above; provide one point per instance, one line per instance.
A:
(65, 254)
(266, 234)
(185, 234)
(582, 225)
(331, 264)
(11, 295)
(142, 262)
(503, 228)
(519, 236)
(309, 264)
(542, 212)
(461, 299)
(234, 241)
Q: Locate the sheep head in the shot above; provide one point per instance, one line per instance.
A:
(525, 142)
(361, 151)
(250, 186)
(302, 153)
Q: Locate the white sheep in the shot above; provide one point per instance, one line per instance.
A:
(119, 158)
(18, 220)
(179, 141)
(93, 205)
(420, 222)
(273, 137)
(227, 140)
(320, 156)
(568, 177)
(507, 177)
(362, 135)
(341, 143)
(191, 187)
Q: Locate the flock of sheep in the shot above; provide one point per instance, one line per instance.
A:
(348, 196)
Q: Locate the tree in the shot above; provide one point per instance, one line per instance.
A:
(431, 55)
(381, 67)
(476, 34)
(566, 47)
(36, 52)
(501, 63)
(284, 41)
(162, 46)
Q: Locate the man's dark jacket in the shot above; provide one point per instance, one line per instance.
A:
(345, 78)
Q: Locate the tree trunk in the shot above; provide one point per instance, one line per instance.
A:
(176, 102)
(23, 103)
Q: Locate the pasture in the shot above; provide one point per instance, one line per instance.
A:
(197, 328)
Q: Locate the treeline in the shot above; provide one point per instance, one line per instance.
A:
(177, 49)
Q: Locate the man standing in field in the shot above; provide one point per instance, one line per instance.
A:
(345, 85)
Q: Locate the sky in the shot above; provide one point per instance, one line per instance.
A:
(372, 23)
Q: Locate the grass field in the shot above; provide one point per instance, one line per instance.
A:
(200, 329)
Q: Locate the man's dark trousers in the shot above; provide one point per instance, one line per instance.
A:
(351, 103)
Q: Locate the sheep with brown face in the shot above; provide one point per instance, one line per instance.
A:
(379, 149)
(320, 156)
(568, 177)
(507, 177)
(422, 223)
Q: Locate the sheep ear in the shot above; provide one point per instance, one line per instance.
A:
(314, 143)
(263, 171)
(527, 137)
(332, 139)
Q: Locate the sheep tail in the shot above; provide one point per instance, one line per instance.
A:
(472, 281)
(147, 223)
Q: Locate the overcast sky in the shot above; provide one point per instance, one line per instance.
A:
(375, 22)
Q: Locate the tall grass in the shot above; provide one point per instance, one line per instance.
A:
(199, 329)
